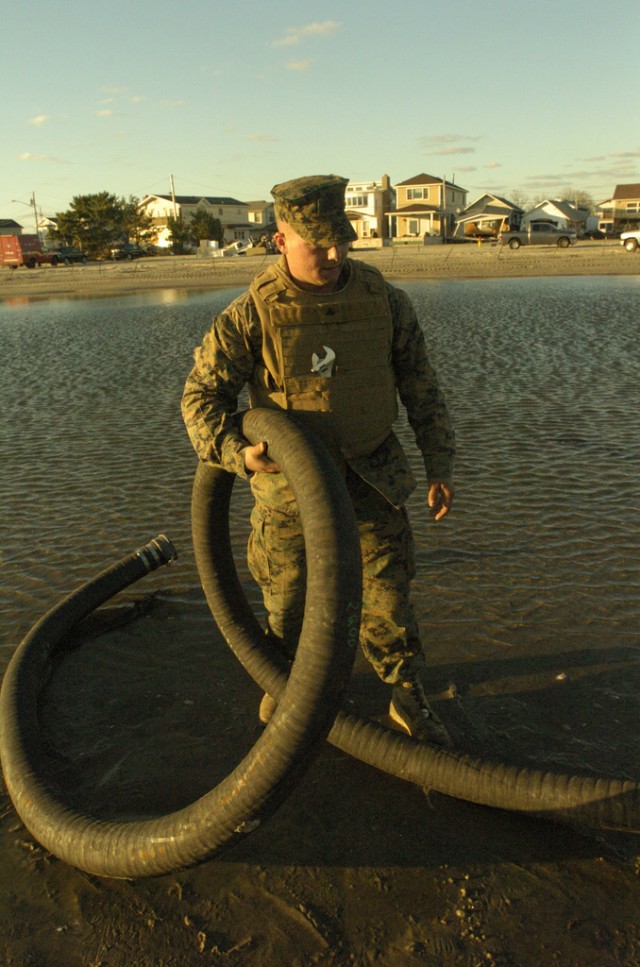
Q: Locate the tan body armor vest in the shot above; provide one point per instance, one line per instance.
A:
(351, 331)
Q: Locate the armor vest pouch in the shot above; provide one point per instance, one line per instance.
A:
(350, 332)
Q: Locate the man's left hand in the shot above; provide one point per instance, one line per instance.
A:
(440, 499)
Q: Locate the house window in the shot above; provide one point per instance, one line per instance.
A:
(358, 201)
(413, 193)
(632, 207)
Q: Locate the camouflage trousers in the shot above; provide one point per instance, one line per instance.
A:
(389, 634)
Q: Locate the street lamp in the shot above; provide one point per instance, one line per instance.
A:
(31, 204)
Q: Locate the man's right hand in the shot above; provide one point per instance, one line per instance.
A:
(257, 460)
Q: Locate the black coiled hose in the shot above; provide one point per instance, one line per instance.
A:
(268, 773)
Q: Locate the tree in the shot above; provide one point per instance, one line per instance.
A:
(137, 224)
(580, 199)
(186, 233)
(520, 199)
(179, 234)
(94, 223)
(204, 225)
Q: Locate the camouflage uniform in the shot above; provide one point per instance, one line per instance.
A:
(379, 483)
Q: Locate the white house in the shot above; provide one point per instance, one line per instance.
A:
(366, 204)
(558, 212)
(233, 214)
(261, 217)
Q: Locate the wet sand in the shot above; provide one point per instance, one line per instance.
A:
(356, 868)
(465, 261)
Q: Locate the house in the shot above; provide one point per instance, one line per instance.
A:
(487, 216)
(366, 205)
(261, 218)
(426, 206)
(558, 212)
(621, 212)
(9, 227)
(45, 225)
(233, 214)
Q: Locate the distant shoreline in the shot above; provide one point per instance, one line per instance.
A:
(403, 262)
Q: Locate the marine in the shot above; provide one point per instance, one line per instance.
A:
(326, 336)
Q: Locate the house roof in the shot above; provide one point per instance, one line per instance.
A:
(414, 210)
(489, 204)
(9, 223)
(423, 180)
(196, 199)
(566, 209)
(627, 191)
(489, 211)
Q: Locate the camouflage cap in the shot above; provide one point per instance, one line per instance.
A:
(314, 208)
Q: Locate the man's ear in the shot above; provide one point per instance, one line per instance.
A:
(280, 241)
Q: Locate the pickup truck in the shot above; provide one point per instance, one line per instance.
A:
(630, 240)
(26, 250)
(539, 233)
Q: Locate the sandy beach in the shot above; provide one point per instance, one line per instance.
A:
(410, 261)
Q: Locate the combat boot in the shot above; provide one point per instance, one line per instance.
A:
(268, 706)
(411, 710)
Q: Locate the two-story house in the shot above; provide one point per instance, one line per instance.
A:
(621, 213)
(233, 214)
(426, 206)
(261, 218)
(366, 205)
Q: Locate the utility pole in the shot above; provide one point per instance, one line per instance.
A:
(443, 226)
(173, 197)
(35, 212)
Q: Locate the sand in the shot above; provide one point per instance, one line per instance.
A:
(410, 261)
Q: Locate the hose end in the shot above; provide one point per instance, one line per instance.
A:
(157, 552)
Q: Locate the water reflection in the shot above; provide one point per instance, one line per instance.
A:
(542, 377)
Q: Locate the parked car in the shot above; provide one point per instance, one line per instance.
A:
(539, 233)
(128, 251)
(630, 240)
(68, 254)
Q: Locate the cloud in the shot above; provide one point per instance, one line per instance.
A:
(294, 35)
(299, 65)
(172, 104)
(625, 154)
(262, 137)
(38, 120)
(429, 139)
(105, 113)
(453, 150)
(445, 144)
(28, 156)
(493, 164)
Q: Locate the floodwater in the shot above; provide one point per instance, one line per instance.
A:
(528, 595)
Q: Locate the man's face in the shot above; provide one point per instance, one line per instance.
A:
(313, 268)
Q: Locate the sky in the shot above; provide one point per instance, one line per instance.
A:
(230, 98)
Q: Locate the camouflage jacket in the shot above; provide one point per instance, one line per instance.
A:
(224, 364)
